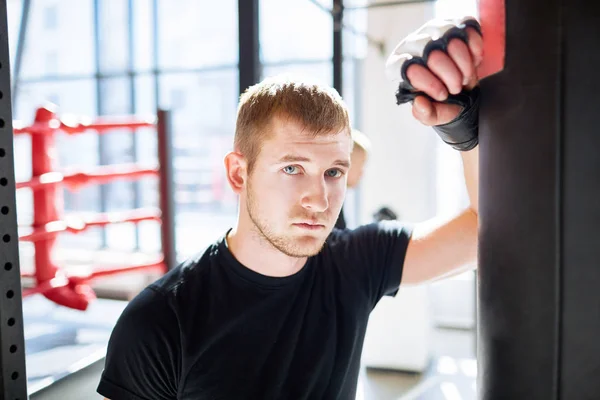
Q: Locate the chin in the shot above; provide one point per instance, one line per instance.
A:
(308, 245)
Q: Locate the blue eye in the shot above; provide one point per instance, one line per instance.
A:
(290, 170)
(334, 173)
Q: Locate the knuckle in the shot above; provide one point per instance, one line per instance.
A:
(472, 33)
(436, 57)
(436, 89)
(456, 44)
(412, 71)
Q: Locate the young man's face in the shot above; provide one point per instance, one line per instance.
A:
(297, 187)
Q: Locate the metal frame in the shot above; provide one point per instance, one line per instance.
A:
(338, 49)
(21, 40)
(249, 50)
(13, 376)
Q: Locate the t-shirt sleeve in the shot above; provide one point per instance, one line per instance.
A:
(144, 352)
(376, 253)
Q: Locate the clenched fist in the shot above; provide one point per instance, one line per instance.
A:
(436, 69)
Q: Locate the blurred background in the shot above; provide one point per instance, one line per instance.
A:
(115, 57)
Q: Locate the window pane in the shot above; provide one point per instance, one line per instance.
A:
(143, 50)
(13, 10)
(294, 30)
(356, 3)
(72, 97)
(197, 33)
(114, 54)
(117, 148)
(71, 39)
(147, 153)
(320, 71)
(147, 150)
(204, 108)
(73, 151)
(351, 85)
(354, 39)
(145, 105)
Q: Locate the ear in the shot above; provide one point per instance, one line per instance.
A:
(236, 168)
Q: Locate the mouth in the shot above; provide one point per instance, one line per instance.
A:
(309, 226)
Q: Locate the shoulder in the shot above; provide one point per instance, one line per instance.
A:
(372, 255)
(341, 240)
(189, 272)
(377, 242)
(143, 353)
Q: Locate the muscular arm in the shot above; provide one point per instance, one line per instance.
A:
(442, 248)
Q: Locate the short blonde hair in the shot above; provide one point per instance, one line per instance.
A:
(318, 108)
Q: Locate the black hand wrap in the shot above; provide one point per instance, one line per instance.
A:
(462, 132)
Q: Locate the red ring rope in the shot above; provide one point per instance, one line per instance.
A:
(47, 184)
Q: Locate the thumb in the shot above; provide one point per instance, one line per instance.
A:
(434, 113)
(445, 113)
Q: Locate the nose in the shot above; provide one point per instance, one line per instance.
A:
(315, 197)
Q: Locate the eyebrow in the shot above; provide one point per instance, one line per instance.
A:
(290, 158)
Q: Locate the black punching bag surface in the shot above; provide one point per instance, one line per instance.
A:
(539, 257)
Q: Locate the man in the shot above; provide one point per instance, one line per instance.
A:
(358, 159)
(278, 307)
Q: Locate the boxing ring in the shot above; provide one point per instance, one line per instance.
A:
(60, 339)
(47, 183)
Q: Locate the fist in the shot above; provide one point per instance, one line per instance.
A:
(435, 63)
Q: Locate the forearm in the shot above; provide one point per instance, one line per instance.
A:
(470, 161)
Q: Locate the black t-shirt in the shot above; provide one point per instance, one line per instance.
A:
(213, 329)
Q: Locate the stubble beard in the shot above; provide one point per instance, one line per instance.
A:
(288, 245)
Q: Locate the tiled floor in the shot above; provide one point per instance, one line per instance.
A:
(451, 374)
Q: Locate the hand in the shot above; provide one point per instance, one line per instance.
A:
(445, 73)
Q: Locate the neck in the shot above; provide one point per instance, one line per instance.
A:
(256, 253)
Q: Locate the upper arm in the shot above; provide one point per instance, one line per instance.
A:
(143, 356)
(438, 249)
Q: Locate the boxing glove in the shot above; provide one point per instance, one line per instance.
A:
(462, 132)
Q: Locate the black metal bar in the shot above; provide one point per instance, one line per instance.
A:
(338, 50)
(21, 40)
(249, 55)
(135, 186)
(13, 376)
(387, 4)
(100, 111)
(166, 187)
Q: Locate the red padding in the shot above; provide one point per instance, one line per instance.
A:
(492, 17)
